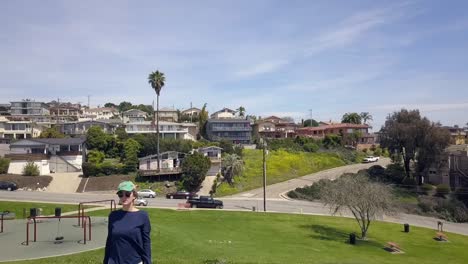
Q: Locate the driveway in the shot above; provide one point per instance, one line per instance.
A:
(66, 182)
(209, 179)
(275, 190)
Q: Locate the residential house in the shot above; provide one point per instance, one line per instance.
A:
(64, 112)
(169, 163)
(238, 131)
(166, 129)
(274, 127)
(134, 115)
(49, 154)
(168, 114)
(29, 108)
(224, 113)
(4, 109)
(457, 135)
(191, 128)
(81, 127)
(19, 128)
(100, 113)
(212, 152)
(451, 169)
(192, 111)
(365, 140)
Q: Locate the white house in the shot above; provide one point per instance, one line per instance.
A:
(166, 129)
(100, 113)
(224, 114)
(170, 162)
(212, 152)
(134, 115)
(19, 128)
(49, 154)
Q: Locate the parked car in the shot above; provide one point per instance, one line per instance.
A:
(181, 195)
(139, 201)
(205, 202)
(369, 159)
(146, 193)
(9, 186)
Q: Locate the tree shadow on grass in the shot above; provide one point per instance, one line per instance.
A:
(322, 232)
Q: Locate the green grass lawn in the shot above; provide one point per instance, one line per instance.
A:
(47, 208)
(281, 166)
(243, 237)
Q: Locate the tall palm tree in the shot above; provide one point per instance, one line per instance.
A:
(156, 80)
(366, 117)
(241, 111)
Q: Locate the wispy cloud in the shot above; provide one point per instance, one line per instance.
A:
(261, 68)
(423, 107)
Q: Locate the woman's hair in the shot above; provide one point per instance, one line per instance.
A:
(135, 193)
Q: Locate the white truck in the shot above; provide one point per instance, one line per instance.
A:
(370, 159)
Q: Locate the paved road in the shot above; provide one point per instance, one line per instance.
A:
(275, 190)
(238, 204)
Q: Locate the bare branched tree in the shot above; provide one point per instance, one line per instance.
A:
(365, 199)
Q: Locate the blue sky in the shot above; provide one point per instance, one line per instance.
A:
(272, 57)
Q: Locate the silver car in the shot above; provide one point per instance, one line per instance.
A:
(141, 201)
(147, 193)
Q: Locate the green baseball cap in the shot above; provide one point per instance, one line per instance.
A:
(126, 186)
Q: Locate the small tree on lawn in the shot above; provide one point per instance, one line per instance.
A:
(194, 169)
(366, 200)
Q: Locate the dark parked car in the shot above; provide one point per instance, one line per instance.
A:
(9, 186)
(205, 202)
(181, 195)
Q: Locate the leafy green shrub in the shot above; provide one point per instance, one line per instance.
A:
(395, 173)
(448, 209)
(442, 190)
(427, 188)
(378, 152)
(331, 141)
(107, 168)
(311, 147)
(4, 164)
(409, 183)
(461, 194)
(31, 169)
(96, 156)
(377, 173)
(311, 192)
(89, 169)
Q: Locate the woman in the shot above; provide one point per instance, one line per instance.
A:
(128, 238)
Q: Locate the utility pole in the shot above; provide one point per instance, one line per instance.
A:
(310, 110)
(89, 96)
(191, 114)
(264, 145)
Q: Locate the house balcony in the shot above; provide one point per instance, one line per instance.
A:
(231, 129)
(161, 171)
(231, 137)
(130, 130)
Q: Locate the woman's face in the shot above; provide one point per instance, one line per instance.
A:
(126, 197)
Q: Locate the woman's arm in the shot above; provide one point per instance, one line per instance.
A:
(146, 237)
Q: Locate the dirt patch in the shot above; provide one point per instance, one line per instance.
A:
(104, 183)
(32, 182)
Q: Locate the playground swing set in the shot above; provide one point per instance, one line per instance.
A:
(83, 220)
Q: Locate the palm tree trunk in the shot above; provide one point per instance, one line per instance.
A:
(157, 128)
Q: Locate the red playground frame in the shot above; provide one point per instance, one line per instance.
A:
(81, 212)
(84, 220)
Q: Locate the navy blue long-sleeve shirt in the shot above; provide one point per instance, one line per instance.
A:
(128, 238)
